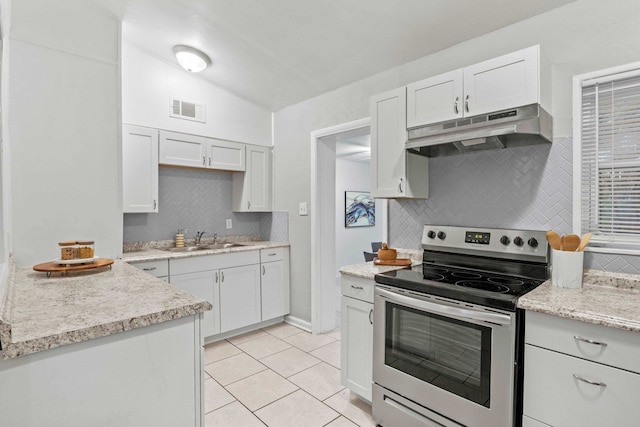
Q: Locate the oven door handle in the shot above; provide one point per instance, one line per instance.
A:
(445, 310)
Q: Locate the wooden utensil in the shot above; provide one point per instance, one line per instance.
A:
(554, 240)
(570, 242)
(584, 241)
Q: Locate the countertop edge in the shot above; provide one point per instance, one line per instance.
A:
(160, 254)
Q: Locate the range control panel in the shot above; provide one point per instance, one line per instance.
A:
(526, 244)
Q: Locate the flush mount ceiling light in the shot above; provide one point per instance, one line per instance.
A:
(191, 59)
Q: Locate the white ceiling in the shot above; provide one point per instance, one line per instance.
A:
(276, 53)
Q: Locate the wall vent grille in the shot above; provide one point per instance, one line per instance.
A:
(188, 110)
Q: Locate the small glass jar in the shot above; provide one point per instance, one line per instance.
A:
(85, 249)
(68, 250)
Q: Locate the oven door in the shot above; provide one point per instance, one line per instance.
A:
(455, 360)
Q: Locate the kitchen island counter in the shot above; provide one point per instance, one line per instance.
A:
(605, 298)
(39, 312)
(368, 270)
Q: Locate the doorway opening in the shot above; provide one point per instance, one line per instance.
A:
(339, 160)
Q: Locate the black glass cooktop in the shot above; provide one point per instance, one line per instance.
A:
(474, 286)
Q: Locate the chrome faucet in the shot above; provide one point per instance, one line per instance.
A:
(199, 235)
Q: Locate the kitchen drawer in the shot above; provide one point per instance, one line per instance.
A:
(357, 287)
(621, 349)
(213, 262)
(554, 396)
(155, 268)
(273, 254)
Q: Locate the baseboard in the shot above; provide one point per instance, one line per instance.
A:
(297, 322)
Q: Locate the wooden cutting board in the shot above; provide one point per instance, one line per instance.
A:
(54, 267)
(399, 262)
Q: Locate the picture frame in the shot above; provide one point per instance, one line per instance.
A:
(359, 209)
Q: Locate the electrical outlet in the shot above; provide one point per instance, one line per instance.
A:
(303, 209)
(229, 223)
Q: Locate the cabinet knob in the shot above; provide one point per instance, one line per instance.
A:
(248, 204)
(455, 105)
(209, 161)
(263, 270)
(466, 103)
(149, 269)
(400, 185)
(371, 314)
(204, 160)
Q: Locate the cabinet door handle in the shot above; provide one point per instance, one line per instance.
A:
(216, 277)
(272, 254)
(597, 383)
(149, 269)
(466, 103)
(248, 204)
(204, 160)
(400, 185)
(155, 204)
(263, 270)
(371, 314)
(579, 338)
(221, 277)
(455, 105)
(209, 160)
(356, 287)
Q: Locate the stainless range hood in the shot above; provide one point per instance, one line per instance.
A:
(515, 127)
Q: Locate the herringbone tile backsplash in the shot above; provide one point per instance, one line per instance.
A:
(525, 187)
(197, 200)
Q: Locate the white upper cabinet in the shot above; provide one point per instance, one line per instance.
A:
(435, 99)
(178, 149)
(139, 169)
(395, 173)
(509, 81)
(226, 155)
(252, 190)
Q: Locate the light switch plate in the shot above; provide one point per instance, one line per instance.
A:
(229, 223)
(303, 209)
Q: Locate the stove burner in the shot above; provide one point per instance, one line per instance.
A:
(485, 286)
(433, 276)
(466, 276)
(505, 281)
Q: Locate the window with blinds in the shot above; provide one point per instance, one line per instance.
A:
(610, 158)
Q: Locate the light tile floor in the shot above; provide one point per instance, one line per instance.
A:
(279, 376)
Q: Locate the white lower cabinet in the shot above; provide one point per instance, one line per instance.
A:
(275, 282)
(202, 284)
(239, 297)
(579, 374)
(356, 345)
(159, 269)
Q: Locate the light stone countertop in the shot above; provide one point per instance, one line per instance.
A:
(606, 298)
(38, 313)
(368, 270)
(157, 254)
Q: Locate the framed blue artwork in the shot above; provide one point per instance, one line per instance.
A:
(360, 209)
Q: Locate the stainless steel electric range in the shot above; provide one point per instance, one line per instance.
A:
(448, 338)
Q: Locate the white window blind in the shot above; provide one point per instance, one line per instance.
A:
(610, 158)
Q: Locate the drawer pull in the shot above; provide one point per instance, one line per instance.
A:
(357, 287)
(272, 254)
(149, 269)
(576, 337)
(579, 378)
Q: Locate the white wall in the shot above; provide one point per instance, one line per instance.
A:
(63, 128)
(351, 242)
(583, 36)
(148, 83)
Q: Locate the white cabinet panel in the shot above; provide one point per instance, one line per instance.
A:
(356, 346)
(275, 290)
(139, 169)
(203, 285)
(435, 99)
(394, 172)
(555, 394)
(252, 190)
(183, 150)
(508, 81)
(239, 297)
(226, 155)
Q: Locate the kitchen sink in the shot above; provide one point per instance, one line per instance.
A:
(204, 247)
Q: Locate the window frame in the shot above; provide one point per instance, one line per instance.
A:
(611, 245)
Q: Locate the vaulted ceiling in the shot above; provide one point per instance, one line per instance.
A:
(279, 52)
